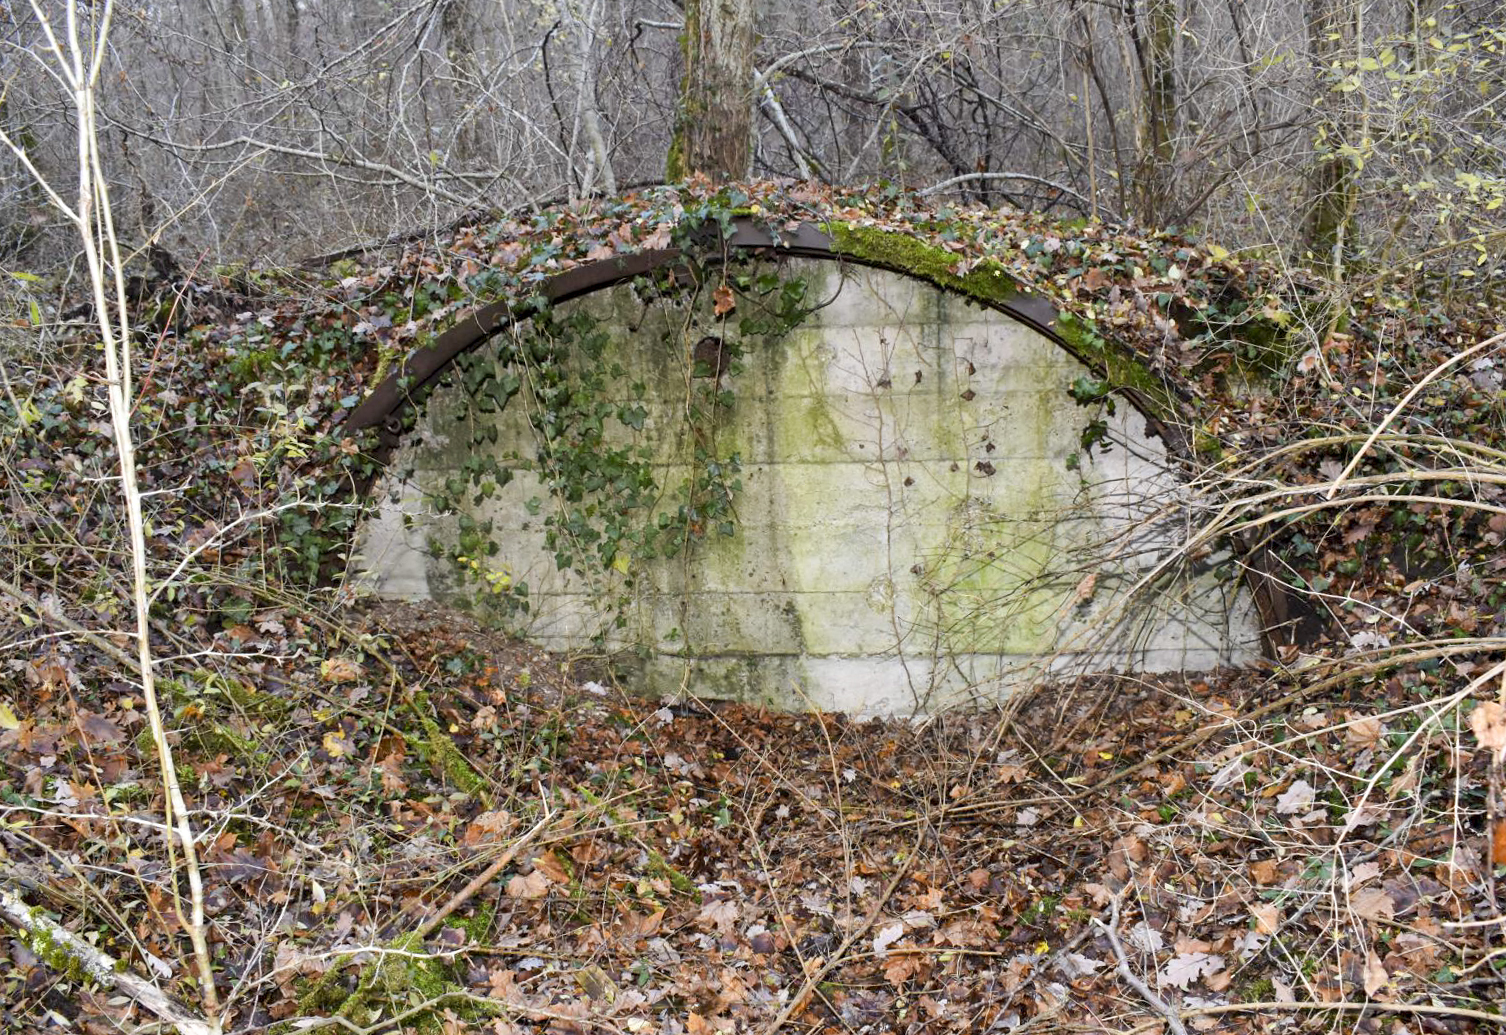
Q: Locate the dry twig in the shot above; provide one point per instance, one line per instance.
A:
(1173, 1018)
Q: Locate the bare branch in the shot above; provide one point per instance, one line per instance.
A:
(58, 947)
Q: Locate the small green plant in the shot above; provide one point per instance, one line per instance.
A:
(1090, 392)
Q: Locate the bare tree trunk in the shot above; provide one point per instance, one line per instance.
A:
(1155, 51)
(1332, 191)
(714, 124)
(586, 19)
(458, 26)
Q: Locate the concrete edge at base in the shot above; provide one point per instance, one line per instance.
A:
(867, 686)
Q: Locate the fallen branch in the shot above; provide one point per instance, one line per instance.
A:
(1173, 1018)
(68, 625)
(63, 950)
(1415, 1009)
(483, 878)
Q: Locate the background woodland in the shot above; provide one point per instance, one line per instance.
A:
(261, 131)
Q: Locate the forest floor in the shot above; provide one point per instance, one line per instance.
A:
(1246, 851)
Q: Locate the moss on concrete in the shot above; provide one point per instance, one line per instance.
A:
(992, 285)
(988, 282)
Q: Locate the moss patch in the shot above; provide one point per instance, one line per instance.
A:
(992, 285)
(989, 282)
(442, 754)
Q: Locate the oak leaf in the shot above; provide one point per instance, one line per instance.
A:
(1187, 967)
(1296, 798)
(1373, 904)
(1376, 977)
(720, 913)
(887, 936)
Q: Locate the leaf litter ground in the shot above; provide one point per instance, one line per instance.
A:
(710, 867)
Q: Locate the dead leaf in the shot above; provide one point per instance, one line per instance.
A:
(1076, 965)
(339, 670)
(549, 864)
(535, 885)
(1488, 720)
(887, 936)
(96, 729)
(244, 474)
(1187, 967)
(1298, 797)
(1185, 944)
(1364, 733)
(722, 301)
(1372, 904)
(487, 828)
(720, 913)
(1146, 938)
(1376, 977)
(596, 984)
(1127, 849)
(1085, 588)
(1358, 531)
(1267, 918)
(1265, 871)
(899, 969)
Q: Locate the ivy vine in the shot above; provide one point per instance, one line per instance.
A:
(606, 514)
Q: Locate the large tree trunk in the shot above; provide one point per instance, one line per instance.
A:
(714, 125)
(1155, 43)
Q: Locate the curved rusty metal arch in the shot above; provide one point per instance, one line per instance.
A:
(424, 366)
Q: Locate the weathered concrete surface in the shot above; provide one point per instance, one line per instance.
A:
(908, 534)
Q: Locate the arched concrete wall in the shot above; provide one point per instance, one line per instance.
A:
(908, 534)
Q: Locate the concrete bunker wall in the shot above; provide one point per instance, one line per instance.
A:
(908, 532)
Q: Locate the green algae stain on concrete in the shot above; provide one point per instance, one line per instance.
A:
(906, 531)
